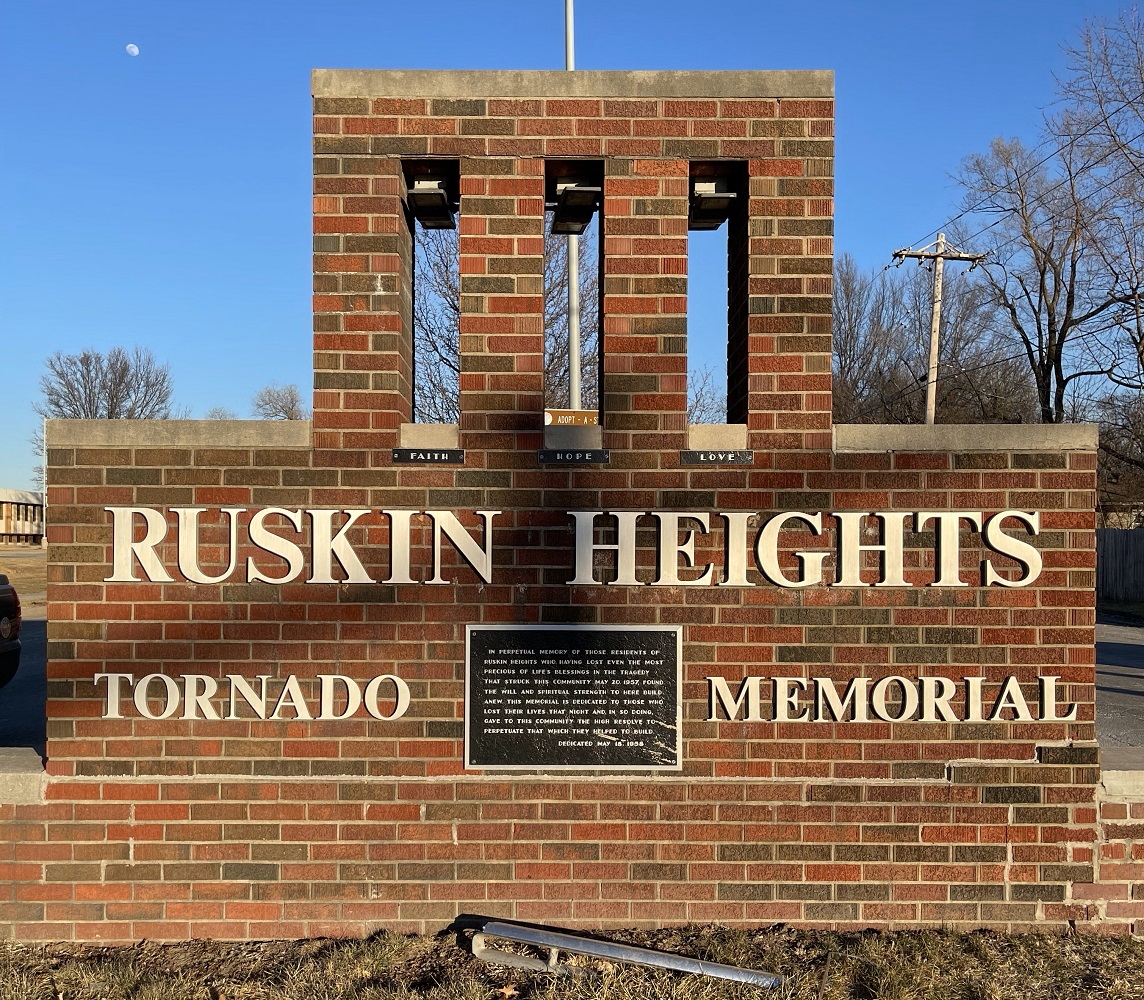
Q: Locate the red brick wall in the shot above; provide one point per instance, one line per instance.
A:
(1117, 899)
(242, 827)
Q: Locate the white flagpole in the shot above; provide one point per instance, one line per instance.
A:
(574, 399)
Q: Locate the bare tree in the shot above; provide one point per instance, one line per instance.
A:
(881, 345)
(90, 385)
(871, 372)
(437, 313)
(436, 326)
(1102, 119)
(279, 402)
(1104, 93)
(556, 321)
(1058, 248)
(1120, 461)
(706, 397)
(113, 386)
(220, 413)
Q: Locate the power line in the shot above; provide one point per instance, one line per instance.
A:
(916, 387)
(1039, 201)
(1106, 118)
(1013, 239)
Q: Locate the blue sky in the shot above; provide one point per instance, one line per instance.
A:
(164, 199)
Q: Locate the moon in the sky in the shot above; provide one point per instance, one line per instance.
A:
(132, 49)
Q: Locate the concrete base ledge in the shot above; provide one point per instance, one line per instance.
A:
(429, 436)
(1122, 772)
(964, 437)
(717, 437)
(577, 437)
(177, 433)
(1122, 758)
(482, 83)
(22, 776)
(1123, 784)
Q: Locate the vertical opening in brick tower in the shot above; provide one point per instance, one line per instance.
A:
(707, 326)
(717, 287)
(573, 208)
(432, 215)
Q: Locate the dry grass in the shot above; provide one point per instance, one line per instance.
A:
(26, 568)
(921, 965)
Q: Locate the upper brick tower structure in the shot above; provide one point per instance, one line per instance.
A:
(648, 133)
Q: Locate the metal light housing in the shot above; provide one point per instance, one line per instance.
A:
(710, 203)
(428, 200)
(575, 205)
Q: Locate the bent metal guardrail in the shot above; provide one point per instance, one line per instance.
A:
(556, 941)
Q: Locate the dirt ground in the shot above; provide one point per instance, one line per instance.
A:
(819, 965)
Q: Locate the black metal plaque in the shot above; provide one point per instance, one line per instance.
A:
(713, 456)
(429, 456)
(574, 456)
(573, 696)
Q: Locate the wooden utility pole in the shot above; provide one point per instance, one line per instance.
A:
(938, 252)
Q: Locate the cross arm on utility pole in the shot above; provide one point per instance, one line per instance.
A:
(939, 252)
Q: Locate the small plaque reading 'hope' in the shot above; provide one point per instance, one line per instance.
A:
(574, 456)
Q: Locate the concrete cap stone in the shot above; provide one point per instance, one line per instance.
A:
(177, 433)
(964, 437)
(774, 83)
(574, 437)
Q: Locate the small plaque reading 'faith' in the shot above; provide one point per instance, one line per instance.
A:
(574, 456)
(429, 456)
(716, 457)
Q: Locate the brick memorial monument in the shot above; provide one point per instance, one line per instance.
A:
(321, 677)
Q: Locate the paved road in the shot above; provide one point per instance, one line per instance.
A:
(22, 701)
(1119, 687)
(1119, 681)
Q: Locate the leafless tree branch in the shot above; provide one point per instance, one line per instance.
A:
(279, 402)
(113, 386)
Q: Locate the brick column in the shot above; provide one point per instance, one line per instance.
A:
(789, 307)
(363, 268)
(502, 303)
(644, 238)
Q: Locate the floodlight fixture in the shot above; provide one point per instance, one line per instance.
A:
(575, 205)
(428, 200)
(710, 203)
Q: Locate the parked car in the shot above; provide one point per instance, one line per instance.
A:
(10, 619)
